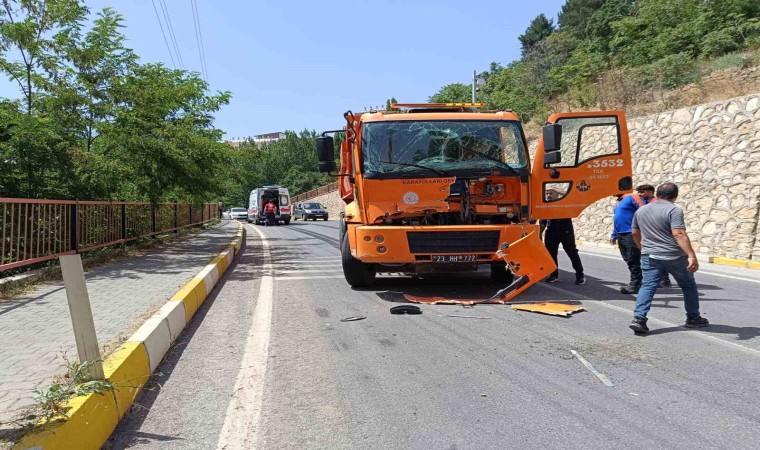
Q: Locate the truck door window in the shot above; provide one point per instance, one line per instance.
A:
(556, 191)
(587, 138)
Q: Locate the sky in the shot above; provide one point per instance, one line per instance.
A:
(295, 65)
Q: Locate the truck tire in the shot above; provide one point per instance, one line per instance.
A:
(357, 273)
(341, 229)
(499, 272)
(287, 221)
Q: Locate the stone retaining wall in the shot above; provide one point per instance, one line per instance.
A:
(332, 202)
(712, 151)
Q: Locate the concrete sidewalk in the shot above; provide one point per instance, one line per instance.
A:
(35, 328)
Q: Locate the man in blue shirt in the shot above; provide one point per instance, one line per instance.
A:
(625, 208)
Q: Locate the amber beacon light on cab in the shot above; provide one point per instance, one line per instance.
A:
(444, 187)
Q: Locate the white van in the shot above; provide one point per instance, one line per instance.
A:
(260, 196)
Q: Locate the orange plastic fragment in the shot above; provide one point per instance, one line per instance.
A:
(552, 309)
(527, 258)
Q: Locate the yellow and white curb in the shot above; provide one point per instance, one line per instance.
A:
(735, 262)
(92, 418)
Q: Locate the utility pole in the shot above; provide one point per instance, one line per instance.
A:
(474, 81)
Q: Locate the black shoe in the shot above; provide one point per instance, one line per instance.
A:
(552, 279)
(666, 283)
(639, 325)
(580, 279)
(633, 290)
(697, 322)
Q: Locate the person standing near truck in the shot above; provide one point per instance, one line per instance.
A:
(660, 233)
(626, 207)
(269, 211)
(561, 231)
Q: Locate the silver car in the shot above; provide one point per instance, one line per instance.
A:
(238, 213)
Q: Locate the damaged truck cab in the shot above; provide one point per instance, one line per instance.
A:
(448, 187)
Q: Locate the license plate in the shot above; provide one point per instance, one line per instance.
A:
(454, 258)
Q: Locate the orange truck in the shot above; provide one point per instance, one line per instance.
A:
(448, 187)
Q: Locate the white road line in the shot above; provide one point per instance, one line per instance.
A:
(651, 319)
(751, 280)
(314, 277)
(602, 377)
(241, 422)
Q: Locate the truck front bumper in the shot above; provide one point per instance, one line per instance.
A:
(444, 244)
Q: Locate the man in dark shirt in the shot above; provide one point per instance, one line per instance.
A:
(561, 231)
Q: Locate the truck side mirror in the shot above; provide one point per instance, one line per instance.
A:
(552, 137)
(552, 157)
(326, 154)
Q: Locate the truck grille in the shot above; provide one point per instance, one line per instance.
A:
(453, 241)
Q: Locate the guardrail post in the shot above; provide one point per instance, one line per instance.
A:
(74, 228)
(176, 216)
(153, 219)
(124, 220)
(81, 314)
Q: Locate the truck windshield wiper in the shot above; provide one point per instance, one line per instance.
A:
(419, 166)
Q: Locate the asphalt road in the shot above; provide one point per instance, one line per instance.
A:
(497, 379)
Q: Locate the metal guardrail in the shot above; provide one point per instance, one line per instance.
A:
(316, 192)
(33, 231)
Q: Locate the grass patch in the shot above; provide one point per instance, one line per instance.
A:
(50, 403)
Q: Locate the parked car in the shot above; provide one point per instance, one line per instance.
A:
(310, 210)
(238, 213)
(226, 214)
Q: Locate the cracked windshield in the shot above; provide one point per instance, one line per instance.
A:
(441, 147)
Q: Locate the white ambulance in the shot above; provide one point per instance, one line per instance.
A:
(260, 196)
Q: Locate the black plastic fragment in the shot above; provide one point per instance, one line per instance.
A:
(406, 309)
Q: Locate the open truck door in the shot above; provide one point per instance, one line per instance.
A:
(581, 157)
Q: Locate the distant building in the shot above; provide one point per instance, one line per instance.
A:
(236, 142)
(268, 138)
(259, 139)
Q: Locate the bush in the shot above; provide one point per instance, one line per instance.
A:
(667, 73)
(720, 42)
(728, 62)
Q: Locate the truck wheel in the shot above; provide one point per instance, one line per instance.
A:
(287, 221)
(341, 229)
(357, 273)
(325, 219)
(499, 272)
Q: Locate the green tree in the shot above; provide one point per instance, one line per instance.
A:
(163, 136)
(389, 102)
(576, 14)
(451, 93)
(660, 28)
(35, 29)
(539, 28)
